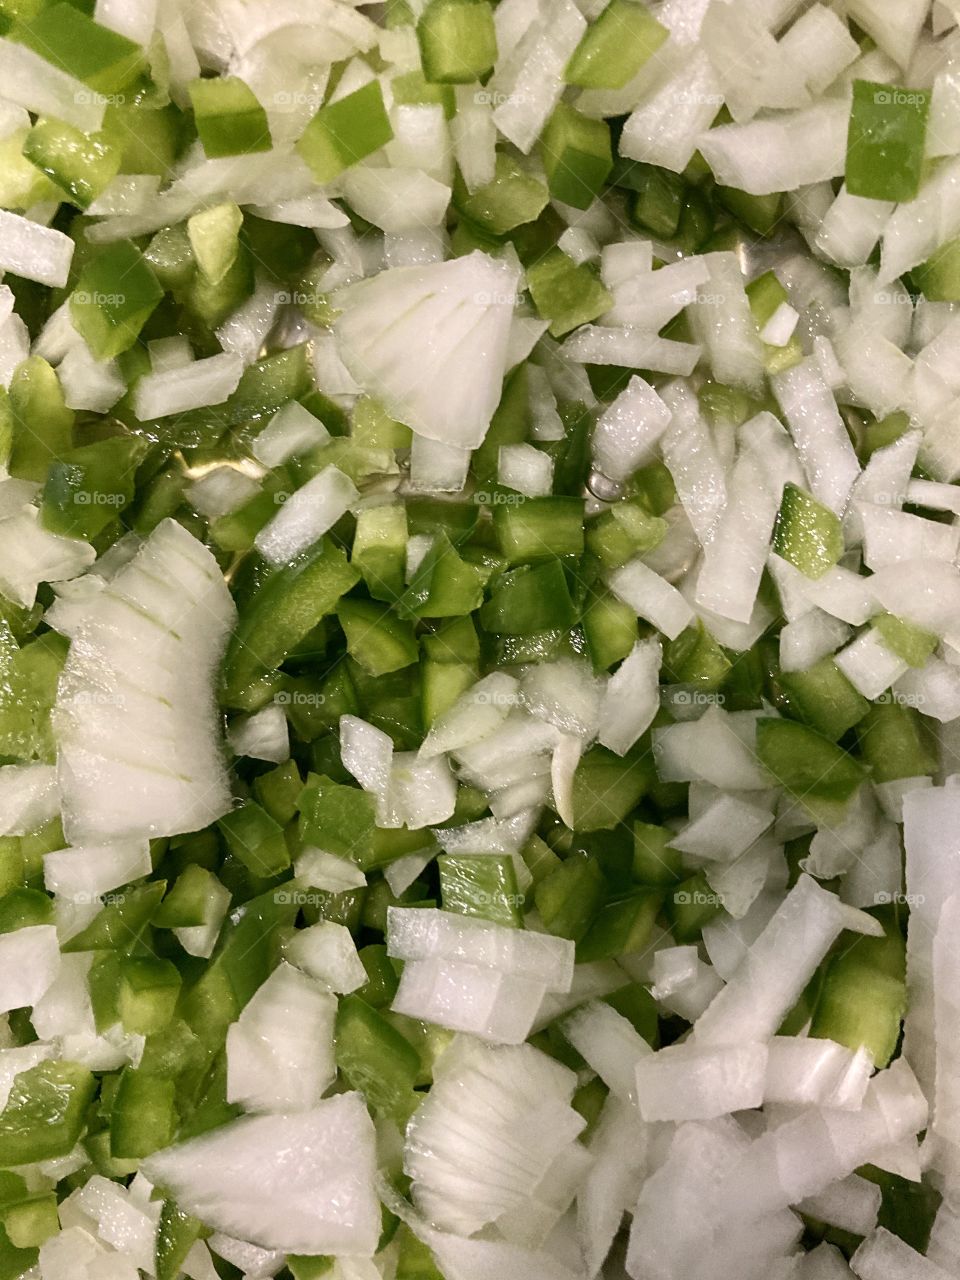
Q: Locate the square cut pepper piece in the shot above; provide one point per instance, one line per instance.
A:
(615, 47)
(576, 156)
(229, 117)
(885, 140)
(115, 295)
(72, 41)
(458, 42)
(345, 132)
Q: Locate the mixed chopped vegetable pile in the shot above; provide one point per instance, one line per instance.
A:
(479, 640)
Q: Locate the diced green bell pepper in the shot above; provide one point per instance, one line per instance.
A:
(42, 423)
(896, 743)
(345, 131)
(807, 534)
(823, 698)
(908, 641)
(147, 994)
(376, 638)
(566, 293)
(806, 764)
(80, 164)
(253, 837)
(87, 488)
(376, 1059)
(885, 140)
(65, 36)
(229, 117)
(483, 885)
(142, 1120)
(512, 198)
(615, 47)
(576, 156)
(529, 599)
(45, 1112)
(458, 43)
(115, 295)
(291, 601)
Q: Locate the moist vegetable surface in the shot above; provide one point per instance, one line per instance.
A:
(479, 640)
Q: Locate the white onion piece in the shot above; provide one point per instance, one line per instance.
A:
(727, 828)
(29, 555)
(83, 874)
(782, 153)
(884, 1256)
(693, 1082)
(631, 698)
(280, 1051)
(852, 1204)
(934, 690)
(778, 965)
(636, 348)
(691, 454)
(326, 951)
(682, 982)
(809, 638)
(261, 736)
(723, 324)
(619, 1147)
(308, 513)
(29, 797)
(628, 429)
(204, 382)
(890, 536)
(894, 24)
(528, 82)
(825, 450)
(609, 1044)
(422, 934)
(291, 430)
(30, 81)
(240, 1179)
(486, 1134)
(926, 592)
(719, 748)
(734, 558)
(651, 597)
(803, 1156)
(667, 128)
(526, 469)
(869, 665)
(454, 316)
(814, 1072)
(29, 960)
